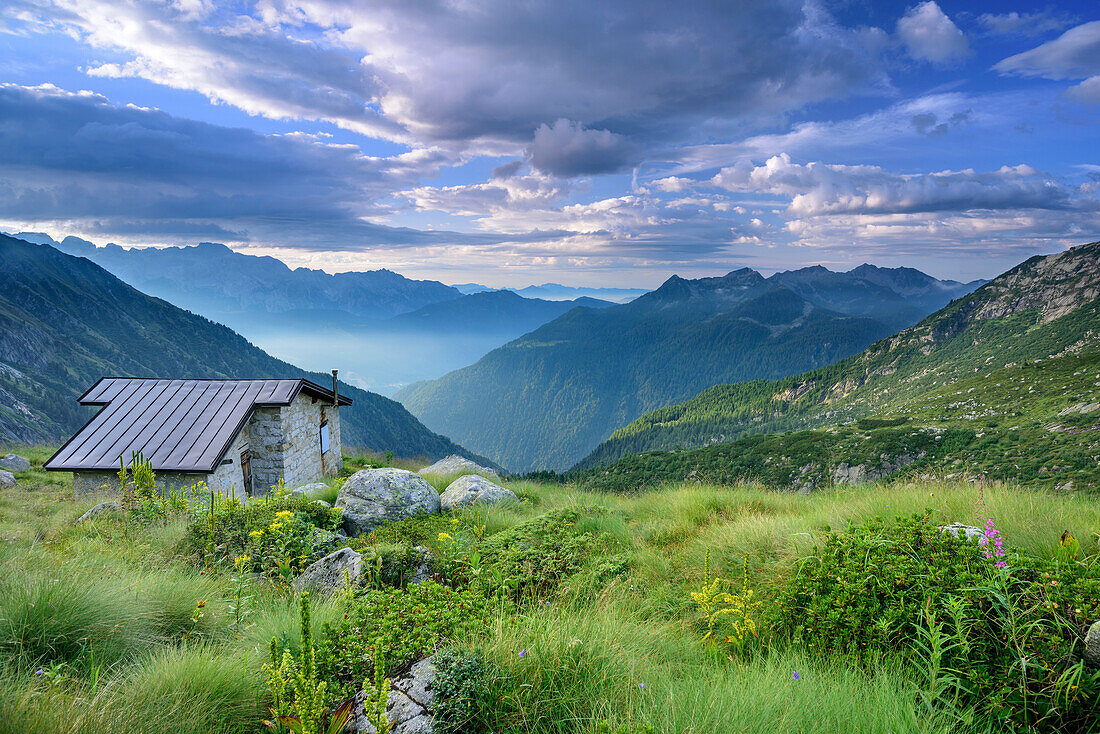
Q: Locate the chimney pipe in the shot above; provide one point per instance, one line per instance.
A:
(335, 394)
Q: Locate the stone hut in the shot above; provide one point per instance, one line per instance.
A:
(237, 436)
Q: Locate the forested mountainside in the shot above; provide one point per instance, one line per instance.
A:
(502, 312)
(547, 398)
(213, 280)
(1004, 382)
(65, 322)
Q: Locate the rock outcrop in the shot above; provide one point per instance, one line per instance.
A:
(14, 463)
(1092, 645)
(409, 706)
(454, 465)
(373, 497)
(330, 573)
(307, 489)
(103, 509)
(961, 531)
(473, 490)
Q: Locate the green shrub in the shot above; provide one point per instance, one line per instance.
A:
(410, 622)
(461, 685)
(1006, 641)
(535, 556)
(275, 532)
(420, 529)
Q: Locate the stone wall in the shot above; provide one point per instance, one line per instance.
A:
(88, 482)
(301, 425)
(228, 477)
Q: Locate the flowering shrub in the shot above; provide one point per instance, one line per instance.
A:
(275, 532)
(403, 623)
(1011, 635)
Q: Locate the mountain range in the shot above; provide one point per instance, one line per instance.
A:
(213, 280)
(65, 322)
(1004, 382)
(544, 400)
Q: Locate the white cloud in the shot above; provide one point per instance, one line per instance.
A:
(929, 35)
(1023, 24)
(823, 189)
(1073, 55)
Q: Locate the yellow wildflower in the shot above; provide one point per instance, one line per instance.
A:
(444, 536)
(256, 534)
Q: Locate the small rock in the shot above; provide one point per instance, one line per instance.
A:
(423, 570)
(307, 489)
(322, 503)
(14, 463)
(473, 490)
(327, 575)
(409, 705)
(101, 510)
(373, 497)
(7, 479)
(455, 465)
(959, 530)
(1092, 645)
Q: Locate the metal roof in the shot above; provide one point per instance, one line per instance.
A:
(179, 425)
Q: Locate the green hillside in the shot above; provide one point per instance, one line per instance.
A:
(1008, 378)
(65, 322)
(547, 398)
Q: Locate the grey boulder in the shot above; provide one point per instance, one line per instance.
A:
(963, 532)
(373, 497)
(103, 509)
(330, 573)
(14, 463)
(473, 490)
(1092, 645)
(408, 708)
(7, 479)
(307, 489)
(454, 465)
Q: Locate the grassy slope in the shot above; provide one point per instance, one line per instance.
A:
(67, 322)
(586, 652)
(978, 340)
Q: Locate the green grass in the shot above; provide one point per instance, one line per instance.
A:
(112, 608)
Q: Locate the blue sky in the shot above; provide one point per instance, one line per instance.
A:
(588, 143)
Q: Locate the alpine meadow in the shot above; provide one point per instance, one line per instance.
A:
(549, 367)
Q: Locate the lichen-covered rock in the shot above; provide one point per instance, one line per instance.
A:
(14, 463)
(473, 490)
(307, 489)
(103, 509)
(331, 572)
(454, 465)
(7, 479)
(322, 503)
(1092, 645)
(965, 532)
(373, 497)
(409, 705)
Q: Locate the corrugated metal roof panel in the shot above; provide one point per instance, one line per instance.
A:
(179, 425)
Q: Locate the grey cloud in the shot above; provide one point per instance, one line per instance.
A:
(507, 170)
(566, 148)
(487, 76)
(127, 169)
(929, 124)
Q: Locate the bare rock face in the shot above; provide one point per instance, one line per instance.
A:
(455, 464)
(373, 497)
(330, 573)
(14, 463)
(103, 509)
(473, 490)
(7, 479)
(409, 706)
